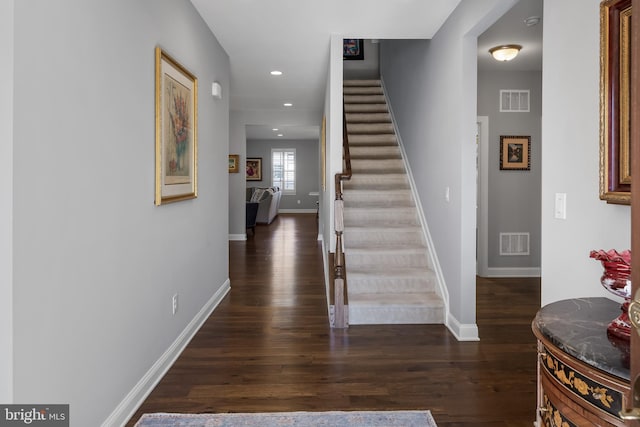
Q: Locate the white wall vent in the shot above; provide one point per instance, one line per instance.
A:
(514, 243)
(514, 101)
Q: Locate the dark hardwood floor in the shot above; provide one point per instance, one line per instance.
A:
(268, 347)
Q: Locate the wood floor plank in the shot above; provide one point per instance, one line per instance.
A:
(268, 347)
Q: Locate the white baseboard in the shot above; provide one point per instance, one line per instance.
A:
(320, 238)
(238, 236)
(512, 272)
(297, 211)
(132, 401)
(462, 332)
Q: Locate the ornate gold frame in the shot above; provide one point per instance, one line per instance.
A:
(615, 84)
(176, 131)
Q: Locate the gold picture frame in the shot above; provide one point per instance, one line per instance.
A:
(176, 115)
(615, 89)
(234, 163)
(515, 152)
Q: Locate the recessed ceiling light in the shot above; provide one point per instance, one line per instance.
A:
(288, 104)
(280, 134)
(275, 129)
(276, 73)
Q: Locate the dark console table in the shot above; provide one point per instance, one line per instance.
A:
(583, 374)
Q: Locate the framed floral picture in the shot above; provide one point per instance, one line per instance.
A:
(176, 104)
(254, 169)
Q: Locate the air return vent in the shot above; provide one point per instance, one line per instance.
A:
(514, 101)
(514, 243)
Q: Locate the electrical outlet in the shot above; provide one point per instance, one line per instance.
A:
(175, 303)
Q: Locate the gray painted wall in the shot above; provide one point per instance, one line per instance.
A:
(570, 155)
(95, 262)
(432, 89)
(366, 69)
(514, 196)
(307, 170)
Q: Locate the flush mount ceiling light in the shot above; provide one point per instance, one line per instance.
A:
(276, 73)
(505, 52)
(288, 104)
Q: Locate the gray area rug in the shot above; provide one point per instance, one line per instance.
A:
(296, 419)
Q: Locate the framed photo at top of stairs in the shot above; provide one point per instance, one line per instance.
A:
(353, 49)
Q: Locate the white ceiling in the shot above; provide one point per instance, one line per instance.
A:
(293, 36)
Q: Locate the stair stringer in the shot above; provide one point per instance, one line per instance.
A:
(462, 332)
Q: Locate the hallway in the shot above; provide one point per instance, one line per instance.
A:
(268, 347)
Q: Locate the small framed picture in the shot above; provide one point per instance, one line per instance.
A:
(254, 169)
(353, 49)
(234, 163)
(515, 153)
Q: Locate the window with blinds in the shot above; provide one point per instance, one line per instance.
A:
(283, 169)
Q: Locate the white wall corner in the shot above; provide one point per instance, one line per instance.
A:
(130, 404)
(462, 332)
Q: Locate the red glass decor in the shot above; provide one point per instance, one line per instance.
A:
(617, 280)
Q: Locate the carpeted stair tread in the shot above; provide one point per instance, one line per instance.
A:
(389, 236)
(380, 217)
(369, 128)
(368, 117)
(408, 298)
(392, 257)
(366, 108)
(375, 152)
(373, 139)
(379, 182)
(362, 90)
(383, 166)
(364, 99)
(377, 199)
(361, 82)
(404, 280)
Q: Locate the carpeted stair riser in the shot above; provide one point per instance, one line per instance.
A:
(361, 82)
(370, 166)
(365, 282)
(372, 140)
(369, 128)
(377, 182)
(364, 99)
(368, 118)
(383, 152)
(408, 257)
(410, 310)
(378, 199)
(367, 236)
(365, 108)
(380, 217)
(362, 90)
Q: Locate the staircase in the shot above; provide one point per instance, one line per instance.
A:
(389, 279)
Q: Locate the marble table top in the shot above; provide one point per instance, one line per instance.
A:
(579, 328)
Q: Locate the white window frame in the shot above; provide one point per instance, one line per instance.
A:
(281, 184)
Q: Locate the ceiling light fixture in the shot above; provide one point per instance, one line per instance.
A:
(288, 104)
(275, 129)
(532, 20)
(505, 52)
(276, 73)
(280, 134)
